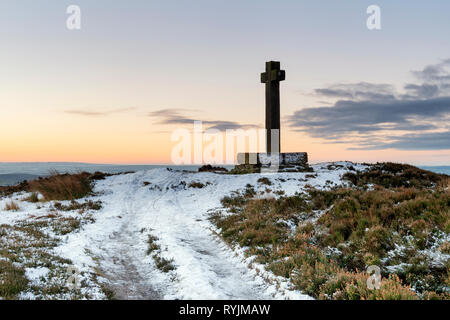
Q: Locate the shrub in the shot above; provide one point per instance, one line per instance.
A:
(353, 286)
(209, 168)
(356, 228)
(245, 169)
(249, 191)
(394, 175)
(265, 180)
(163, 264)
(9, 190)
(196, 185)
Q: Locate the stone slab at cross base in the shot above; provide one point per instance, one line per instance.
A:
(292, 161)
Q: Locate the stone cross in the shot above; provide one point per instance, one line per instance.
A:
(272, 78)
(272, 160)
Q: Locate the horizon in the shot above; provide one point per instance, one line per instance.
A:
(115, 90)
(193, 164)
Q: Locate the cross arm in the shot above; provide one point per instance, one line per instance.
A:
(275, 75)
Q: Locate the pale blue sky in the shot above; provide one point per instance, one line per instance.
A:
(206, 55)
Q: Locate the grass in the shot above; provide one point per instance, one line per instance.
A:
(66, 225)
(26, 246)
(29, 244)
(164, 265)
(11, 206)
(152, 244)
(98, 273)
(81, 207)
(58, 186)
(63, 186)
(354, 228)
(12, 280)
(33, 198)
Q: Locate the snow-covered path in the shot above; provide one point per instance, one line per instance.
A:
(160, 203)
(205, 268)
(202, 261)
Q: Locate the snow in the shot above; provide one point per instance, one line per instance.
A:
(35, 274)
(205, 266)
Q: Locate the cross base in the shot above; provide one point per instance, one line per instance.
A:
(281, 162)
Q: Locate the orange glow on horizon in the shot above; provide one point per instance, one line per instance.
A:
(111, 143)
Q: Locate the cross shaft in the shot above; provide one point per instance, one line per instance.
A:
(272, 78)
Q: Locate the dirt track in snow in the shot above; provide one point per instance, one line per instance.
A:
(204, 265)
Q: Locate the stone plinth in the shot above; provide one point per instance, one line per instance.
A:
(292, 161)
(272, 161)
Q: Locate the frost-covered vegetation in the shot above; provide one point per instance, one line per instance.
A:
(393, 216)
(30, 266)
(159, 234)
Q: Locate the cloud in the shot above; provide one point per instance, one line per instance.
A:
(424, 141)
(435, 78)
(90, 113)
(375, 116)
(366, 116)
(358, 91)
(421, 91)
(176, 117)
(437, 73)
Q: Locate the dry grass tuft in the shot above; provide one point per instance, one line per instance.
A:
(33, 198)
(12, 206)
(63, 186)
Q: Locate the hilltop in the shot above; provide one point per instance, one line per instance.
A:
(167, 234)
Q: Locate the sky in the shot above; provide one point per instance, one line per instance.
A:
(115, 90)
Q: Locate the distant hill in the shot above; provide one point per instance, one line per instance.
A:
(11, 179)
(437, 169)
